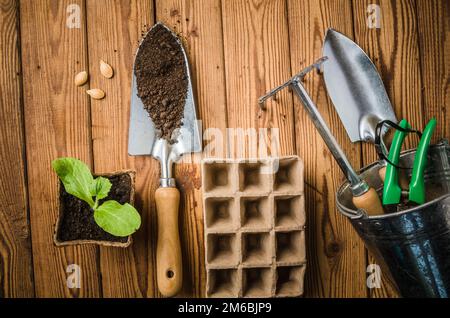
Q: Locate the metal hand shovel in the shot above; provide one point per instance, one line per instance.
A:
(355, 88)
(144, 140)
(358, 94)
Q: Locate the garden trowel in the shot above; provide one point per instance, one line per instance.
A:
(144, 139)
(359, 96)
(355, 88)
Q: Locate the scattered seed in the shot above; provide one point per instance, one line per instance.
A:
(81, 78)
(96, 93)
(106, 69)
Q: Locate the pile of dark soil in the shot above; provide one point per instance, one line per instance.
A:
(77, 221)
(161, 77)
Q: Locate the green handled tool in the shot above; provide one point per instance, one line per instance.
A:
(417, 184)
(392, 191)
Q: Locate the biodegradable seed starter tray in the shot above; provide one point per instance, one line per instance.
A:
(254, 227)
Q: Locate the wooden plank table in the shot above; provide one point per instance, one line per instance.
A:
(238, 49)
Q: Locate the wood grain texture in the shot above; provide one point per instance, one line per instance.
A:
(114, 29)
(336, 256)
(238, 49)
(199, 23)
(434, 40)
(56, 124)
(16, 272)
(394, 48)
(256, 48)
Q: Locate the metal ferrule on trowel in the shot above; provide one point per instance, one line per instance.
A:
(162, 151)
(187, 140)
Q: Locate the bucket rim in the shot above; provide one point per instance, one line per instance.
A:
(360, 213)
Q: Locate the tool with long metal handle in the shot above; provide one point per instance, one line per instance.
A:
(364, 197)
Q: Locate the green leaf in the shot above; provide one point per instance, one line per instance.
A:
(117, 219)
(76, 177)
(100, 188)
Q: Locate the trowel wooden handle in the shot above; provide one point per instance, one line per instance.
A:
(370, 202)
(168, 251)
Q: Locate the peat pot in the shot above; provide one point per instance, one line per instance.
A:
(412, 244)
(76, 224)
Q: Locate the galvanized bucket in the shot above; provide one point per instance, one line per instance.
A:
(411, 245)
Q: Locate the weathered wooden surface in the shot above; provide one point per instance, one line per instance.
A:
(238, 50)
(256, 44)
(433, 24)
(57, 124)
(16, 272)
(335, 253)
(113, 32)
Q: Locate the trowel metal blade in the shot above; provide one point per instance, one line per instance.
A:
(142, 133)
(355, 87)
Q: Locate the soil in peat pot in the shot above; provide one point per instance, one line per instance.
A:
(161, 78)
(77, 220)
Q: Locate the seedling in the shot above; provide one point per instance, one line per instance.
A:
(115, 218)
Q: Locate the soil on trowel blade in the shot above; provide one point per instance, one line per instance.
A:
(77, 220)
(161, 78)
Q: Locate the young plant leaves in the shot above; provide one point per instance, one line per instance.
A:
(117, 219)
(76, 177)
(111, 216)
(100, 188)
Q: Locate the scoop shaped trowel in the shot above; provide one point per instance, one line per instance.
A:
(144, 139)
(355, 87)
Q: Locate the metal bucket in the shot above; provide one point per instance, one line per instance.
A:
(411, 245)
